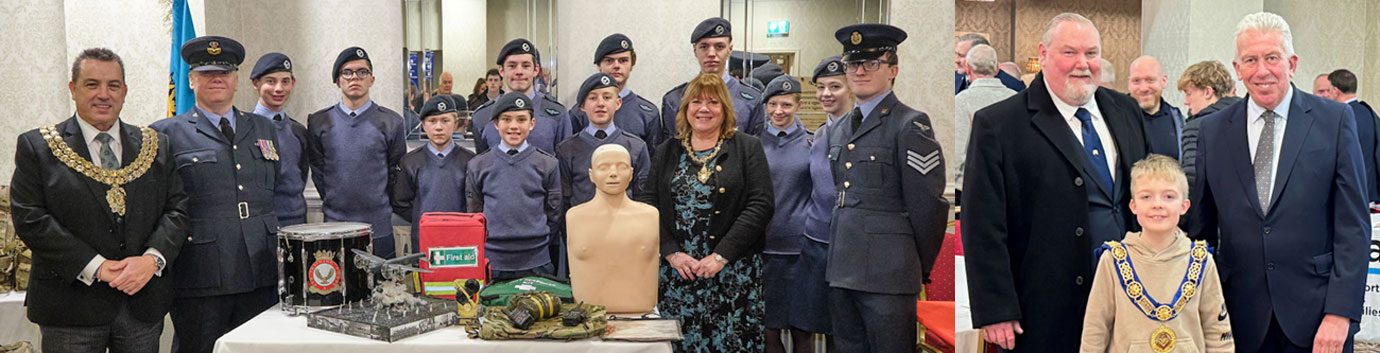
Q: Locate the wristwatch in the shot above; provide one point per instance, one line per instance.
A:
(158, 261)
(720, 259)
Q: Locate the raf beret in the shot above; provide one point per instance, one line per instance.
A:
(767, 72)
(784, 84)
(440, 104)
(711, 28)
(830, 66)
(212, 53)
(754, 83)
(613, 44)
(595, 81)
(737, 57)
(271, 63)
(516, 47)
(868, 40)
(348, 55)
(509, 102)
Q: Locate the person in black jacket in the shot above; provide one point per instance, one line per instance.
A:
(1207, 88)
(100, 247)
(713, 187)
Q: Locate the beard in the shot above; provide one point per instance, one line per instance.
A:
(1078, 94)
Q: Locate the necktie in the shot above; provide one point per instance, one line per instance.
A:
(352, 114)
(439, 155)
(277, 117)
(856, 119)
(781, 134)
(226, 130)
(1092, 144)
(600, 134)
(108, 159)
(1264, 160)
(512, 152)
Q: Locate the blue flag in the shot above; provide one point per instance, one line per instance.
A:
(180, 97)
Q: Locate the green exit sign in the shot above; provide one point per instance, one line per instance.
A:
(778, 28)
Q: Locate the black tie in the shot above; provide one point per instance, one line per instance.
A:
(781, 134)
(352, 114)
(439, 155)
(278, 117)
(600, 134)
(856, 119)
(226, 130)
(512, 152)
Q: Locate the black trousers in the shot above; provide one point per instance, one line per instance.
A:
(872, 322)
(1277, 342)
(199, 321)
(123, 335)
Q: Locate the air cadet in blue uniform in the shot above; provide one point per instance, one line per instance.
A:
(889, 219)
(615, 56)
(355, 147)
(811, 290)
(227, 271)
(432, 177)
(712, 41)
(786, 143)
(273, 80)
(509, 184)
(598, 99)
(519, 63)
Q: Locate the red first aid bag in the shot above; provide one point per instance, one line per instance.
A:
(454, 248)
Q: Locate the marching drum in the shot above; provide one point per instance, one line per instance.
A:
(316, 267)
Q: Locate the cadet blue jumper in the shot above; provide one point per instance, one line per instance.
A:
(788, 155)
(353, 156)
(575, 156)
(430, 181)
(520, 196)
(288, 202)
(553, 125)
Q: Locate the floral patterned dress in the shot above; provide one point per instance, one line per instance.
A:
(719, 314)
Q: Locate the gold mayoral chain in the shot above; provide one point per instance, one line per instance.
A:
(1162, 340)
(704, 162)
(115, 197)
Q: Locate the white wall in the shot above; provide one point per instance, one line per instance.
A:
(925, 82)
(36, 70)
(464, 42)
(662, 41)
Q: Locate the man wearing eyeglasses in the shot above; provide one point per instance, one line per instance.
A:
(712, 41)
(355, 147)
(889, 218)
(226, 272)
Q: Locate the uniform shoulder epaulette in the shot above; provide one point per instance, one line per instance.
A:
(643, 103)
(325, 110)
(677, 88)
(555, 108)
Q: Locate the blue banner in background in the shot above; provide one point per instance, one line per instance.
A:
(412, 68)
(180, 97)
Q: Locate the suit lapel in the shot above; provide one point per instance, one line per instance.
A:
(1295, 132)
(1239, 153)
(245, 124)
(131, 143)
(71, 133)
(874, 119)
(205, 127)
(1056, 129)
(1121, 138)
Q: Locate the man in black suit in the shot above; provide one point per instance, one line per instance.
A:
(1344, 84)
(100, 205)
(1047, 182)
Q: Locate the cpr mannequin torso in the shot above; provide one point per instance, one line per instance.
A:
(613, 240)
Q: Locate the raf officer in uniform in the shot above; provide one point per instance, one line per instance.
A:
(226, 157)
(890, 215)
(712, 42)
(616, 57)
(273, 80)
(519, 63)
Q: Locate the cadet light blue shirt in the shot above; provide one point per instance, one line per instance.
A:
(771, 128)
(626, 91)
(449, 147)
(503, 147)
(612, 129)
(215, 119)
(263, 111)
(356, 112)
(866, 107)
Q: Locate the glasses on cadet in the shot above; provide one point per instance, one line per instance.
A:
(361, 73)
(869, 65)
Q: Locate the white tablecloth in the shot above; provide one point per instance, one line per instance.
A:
(966, 339)
(14, 323)
(272, 331)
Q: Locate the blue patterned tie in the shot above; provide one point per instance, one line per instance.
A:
(1092, 145)
(108, 159)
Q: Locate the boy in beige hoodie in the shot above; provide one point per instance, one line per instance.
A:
(1157, 291)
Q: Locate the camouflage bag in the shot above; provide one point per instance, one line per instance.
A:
(10, 246)
(17, 347)
(497, 326)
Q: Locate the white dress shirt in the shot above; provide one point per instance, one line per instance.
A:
(1256, 123)
(1099, 124)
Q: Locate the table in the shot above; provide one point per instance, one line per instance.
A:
(966, 338)
(14, 321)
(272, 331)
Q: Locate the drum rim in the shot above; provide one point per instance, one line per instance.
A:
(357, 229)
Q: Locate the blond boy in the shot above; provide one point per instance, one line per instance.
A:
(1157, 289)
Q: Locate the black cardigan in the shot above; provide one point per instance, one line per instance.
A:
(741, 194)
